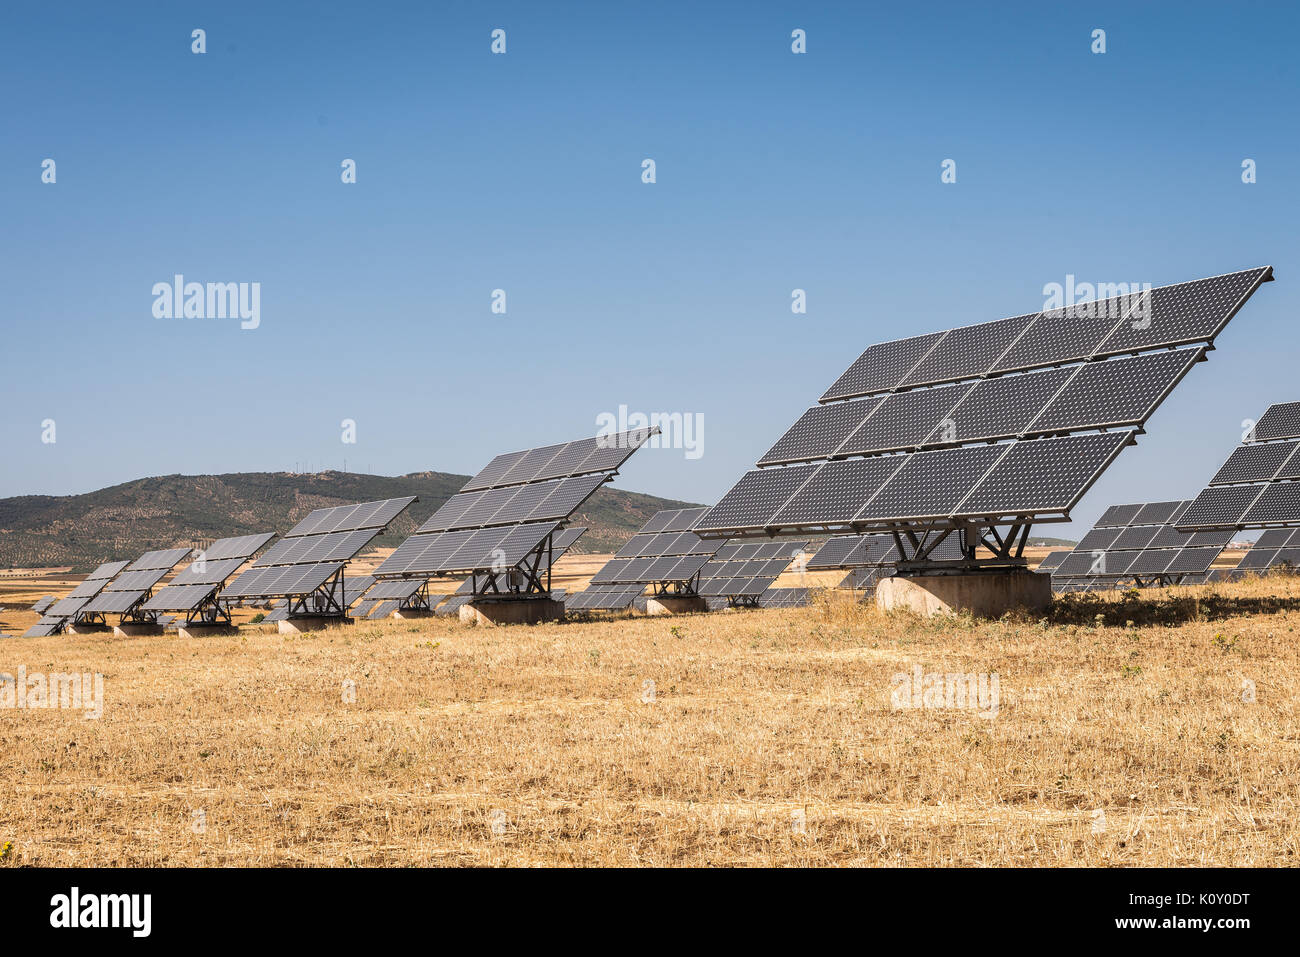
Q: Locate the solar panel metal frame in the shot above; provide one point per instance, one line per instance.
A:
(1195, 313)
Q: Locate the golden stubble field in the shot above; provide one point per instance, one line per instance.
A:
(766, 738)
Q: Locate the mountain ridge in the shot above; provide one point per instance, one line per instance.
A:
(122, 521)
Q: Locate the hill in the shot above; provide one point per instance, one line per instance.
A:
(124, 520)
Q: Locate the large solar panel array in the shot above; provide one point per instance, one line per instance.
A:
(742, 571)
(507, 511)
(604, 598)
(1141, 541)
(306, 565)
(194, 589)
(665, 551)
(57, 616)
(901, 439)
(1276, 548)
(1259, 485)
(125, 593)
(515, 578)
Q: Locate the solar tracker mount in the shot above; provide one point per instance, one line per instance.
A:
(505, 528)
(979, 432)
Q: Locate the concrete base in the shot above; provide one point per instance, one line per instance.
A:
(296, 626)
(129, 630)
(205, 631)
(983, 594)
(84, 629)
(521, 611)
(413, 613)
(669, 605)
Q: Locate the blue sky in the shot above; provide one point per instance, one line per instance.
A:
(522, 172)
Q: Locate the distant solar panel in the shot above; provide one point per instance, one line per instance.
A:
(43, 604)
(603, 598)
(1257, 486)
(900, 442)
(742, 571)
(306, 566)
(502, 527)
(664, 553)
(1147, 547)
(59, 614)
(784, 598)
(194, 589)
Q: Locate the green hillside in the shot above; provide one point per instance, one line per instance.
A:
(173, 510)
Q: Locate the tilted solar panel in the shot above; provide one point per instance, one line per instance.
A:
(900, 440)
(1256, 487)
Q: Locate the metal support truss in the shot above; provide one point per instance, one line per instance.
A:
(325, 601)
(916, 546)
(530, 578)
(681, 589)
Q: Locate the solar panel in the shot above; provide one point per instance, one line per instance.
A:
(820, 431)
(750, 569)
(784, 598)
(1147, 547)
(346, 518)
(399, 588)
(1256, 486)
(603, 598)
(164, 559)
(1257, 462)
(1052, 560)
(194, 588)
(504, 527)
(604, 453)
(650, 557)
(43, 604)
(1281, 421)
(882, 367)
(306, 565)
(44, 628)
(901, 440)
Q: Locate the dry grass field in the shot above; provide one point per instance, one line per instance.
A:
(1124, 735)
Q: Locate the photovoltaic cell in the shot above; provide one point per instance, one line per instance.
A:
(1185, 312)
(1257, 462)
(1117, 391)
(1043, 475)
(968, 351)
(1219, 505)
(905, 419)
(932, 484)
(820, 431)
(1281, 421)
(836, 492)
(882, 367)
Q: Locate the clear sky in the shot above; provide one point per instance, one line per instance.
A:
(523, 172)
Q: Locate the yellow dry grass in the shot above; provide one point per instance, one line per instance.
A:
(1114, 744)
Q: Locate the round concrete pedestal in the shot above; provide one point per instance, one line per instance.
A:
(983, 594)
(522, 611)
(668, 605)
(205, 631)
(296, 626)
(129, 630)
(413, 613)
